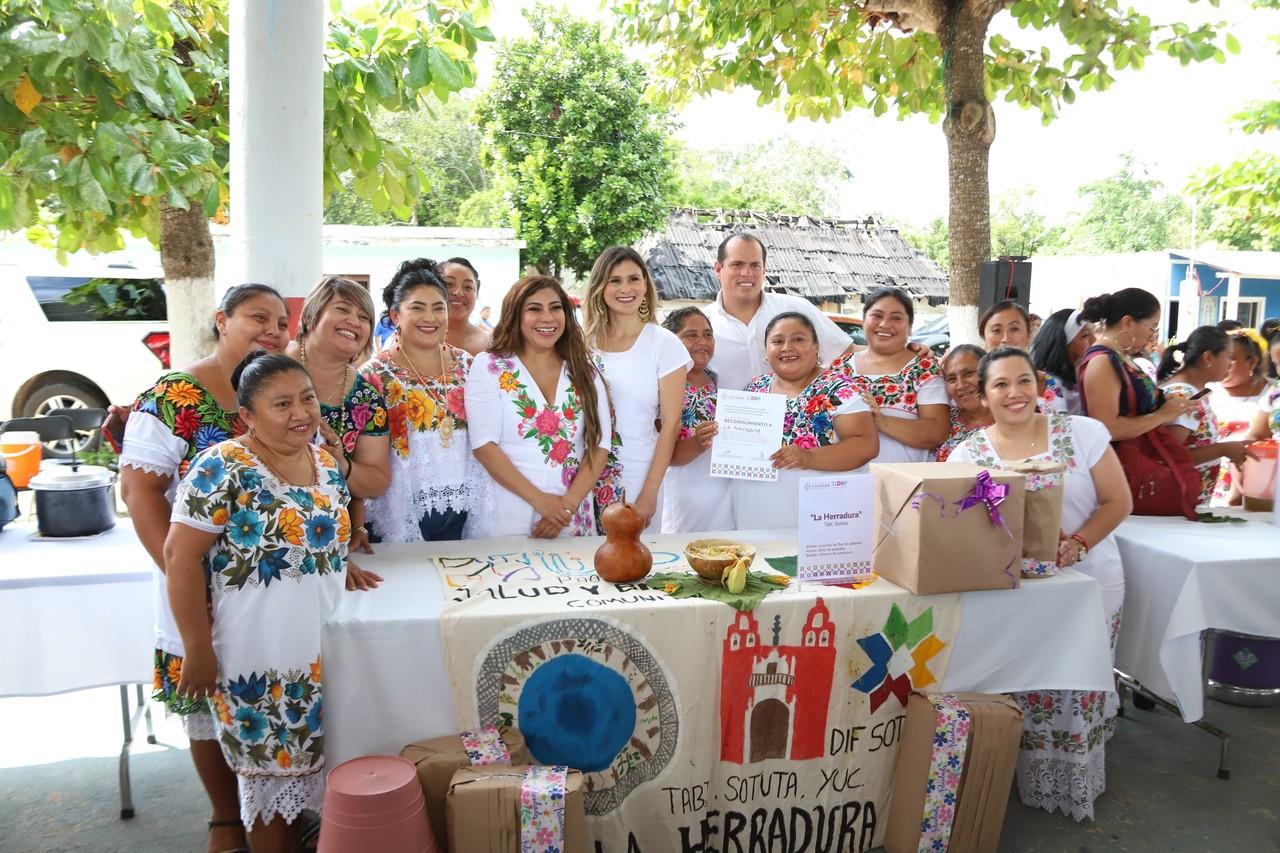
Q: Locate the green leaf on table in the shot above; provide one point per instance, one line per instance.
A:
(1210, 518)
(786, 565)
(686, 585)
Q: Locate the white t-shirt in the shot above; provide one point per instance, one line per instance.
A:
(739, 354)
(633, 378)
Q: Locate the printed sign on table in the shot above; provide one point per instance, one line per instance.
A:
(750, 432)
(834, 532)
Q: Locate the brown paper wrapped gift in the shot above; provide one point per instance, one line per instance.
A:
(926, 544)
(483, 811)
(1042, 513)
(986, 775)
(439, 758)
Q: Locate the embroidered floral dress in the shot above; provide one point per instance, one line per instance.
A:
(959, 432)
(1234, 416)
(808, 422)
(1062, 760)
(432, 468)
(1270, 404)
(693, 500)
(899, 395)
(542, 438)
(1204, 431)
(171, 423)
(1057, 397)
(275, 574)
(363, 412)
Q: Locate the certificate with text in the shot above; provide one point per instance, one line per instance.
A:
(750, 432)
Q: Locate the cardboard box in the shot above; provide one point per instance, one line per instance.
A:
(483, 811)
(439, 758)
(989, 763)
(926, 544)
(1042, 512)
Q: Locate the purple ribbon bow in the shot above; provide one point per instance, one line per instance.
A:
(989, 492)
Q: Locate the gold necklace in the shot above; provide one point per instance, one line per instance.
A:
(264, 451)
(342, 389)
(445, 427)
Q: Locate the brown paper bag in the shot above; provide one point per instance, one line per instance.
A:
(930, 547)
(1042, 516)
(483, 811)
(990, 760)
(439, 758)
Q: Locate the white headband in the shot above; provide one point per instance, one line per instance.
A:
(1074, 325)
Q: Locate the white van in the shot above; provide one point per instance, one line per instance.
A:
(79, 336)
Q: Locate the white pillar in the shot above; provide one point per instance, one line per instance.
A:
(277, 136)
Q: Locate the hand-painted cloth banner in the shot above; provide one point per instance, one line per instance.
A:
(696, 726)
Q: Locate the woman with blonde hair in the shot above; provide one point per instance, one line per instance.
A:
(335, 336)
(538, 417)
(644, 366)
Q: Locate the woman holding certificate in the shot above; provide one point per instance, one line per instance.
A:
(538, 417)
(826, 429)
(644, 366)
(905, 392)
(1061, 761)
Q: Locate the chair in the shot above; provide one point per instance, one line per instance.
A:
(57, 427)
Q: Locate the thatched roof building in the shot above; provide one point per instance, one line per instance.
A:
(823, 260)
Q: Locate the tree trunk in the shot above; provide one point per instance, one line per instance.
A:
(186, 253)
(970, 127)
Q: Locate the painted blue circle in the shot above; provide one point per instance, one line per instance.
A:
(576, 712)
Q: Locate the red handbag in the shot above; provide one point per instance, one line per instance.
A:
(1162, 478)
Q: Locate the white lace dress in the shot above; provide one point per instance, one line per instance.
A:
(1062, 760)
(432, 467)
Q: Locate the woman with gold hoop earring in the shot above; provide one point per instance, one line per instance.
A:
(335, 334)
(644, 368)
(1129, 321)
(434, 478)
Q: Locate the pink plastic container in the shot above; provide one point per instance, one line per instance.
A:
(375, 803)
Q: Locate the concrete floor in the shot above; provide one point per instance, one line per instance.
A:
(1162, 791)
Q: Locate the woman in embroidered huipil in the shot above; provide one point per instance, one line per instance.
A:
(335, 334)
(1185, 370)
(960, 373)
(826, 426)
(434, 478)
(259, 542)
(693, 500)
(905, 392)
(186, 412)
(1061, 763)
(538, 416)
(1056, 350)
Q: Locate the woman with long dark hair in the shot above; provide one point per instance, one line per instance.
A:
(1185, 370)
(1063, 340)
(538, 416)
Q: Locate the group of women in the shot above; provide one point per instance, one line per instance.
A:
(252, 474)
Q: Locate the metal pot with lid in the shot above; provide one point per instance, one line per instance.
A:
(73, 500)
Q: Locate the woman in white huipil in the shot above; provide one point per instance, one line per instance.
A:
(644, 369)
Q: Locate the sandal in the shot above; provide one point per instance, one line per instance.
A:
(215, 824)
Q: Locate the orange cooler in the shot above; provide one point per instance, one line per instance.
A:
(21, 452)
(1258, 476)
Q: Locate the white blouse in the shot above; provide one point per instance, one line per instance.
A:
(633, 377)
(542, 438)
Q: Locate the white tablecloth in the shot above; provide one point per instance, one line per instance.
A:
(74, 614)
(1181, 578)
(386, 683)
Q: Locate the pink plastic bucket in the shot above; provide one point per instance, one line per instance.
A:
(375, 803)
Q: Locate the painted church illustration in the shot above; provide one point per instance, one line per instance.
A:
(774, 698)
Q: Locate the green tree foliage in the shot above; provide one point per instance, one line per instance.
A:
(584, 159)
(915, 56)
(443, 143)
(1244, 196)
(117, 108)
(779, 176)
(1018, 229)
(1129, 211)
(932, 239)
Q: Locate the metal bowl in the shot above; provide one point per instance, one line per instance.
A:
(712, 568)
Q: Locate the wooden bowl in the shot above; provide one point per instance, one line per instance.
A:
(712, 568)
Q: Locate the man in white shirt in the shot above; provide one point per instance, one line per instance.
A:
(743, 310)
